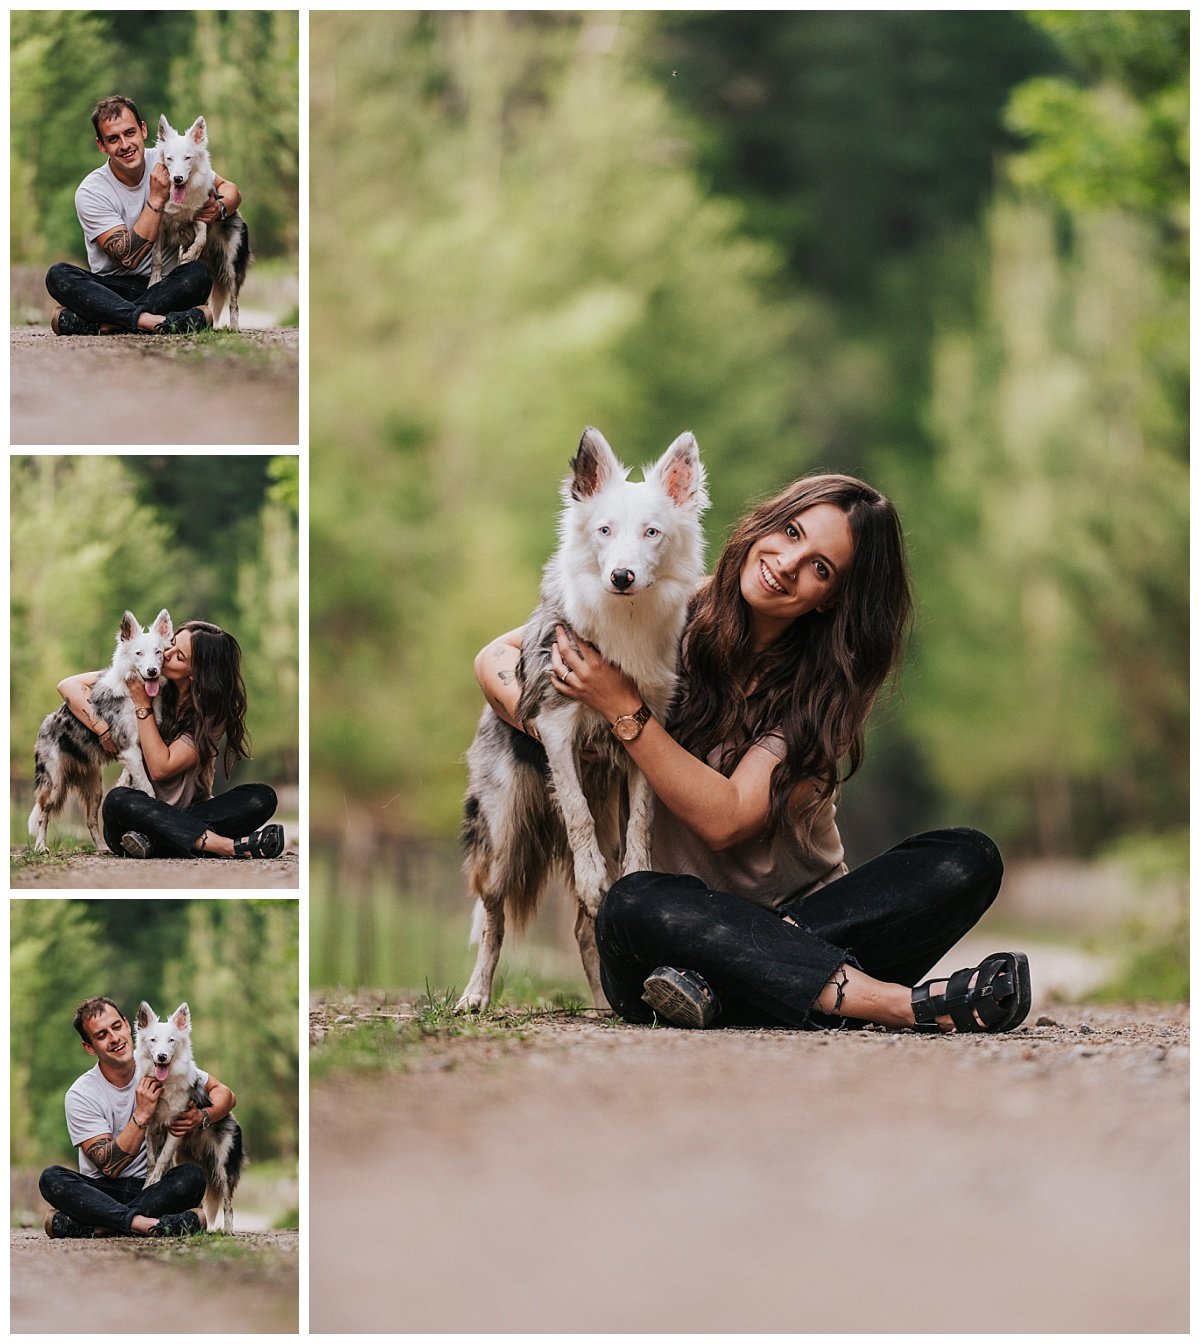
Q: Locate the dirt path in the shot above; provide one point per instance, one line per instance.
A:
(125, 1285)
(153, 390)
(597, 1178)
(107, 871)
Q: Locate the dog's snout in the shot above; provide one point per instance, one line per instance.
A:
(179, 179)
(622, 579)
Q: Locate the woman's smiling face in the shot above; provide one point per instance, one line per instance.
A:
(796, 570)
(177, 661)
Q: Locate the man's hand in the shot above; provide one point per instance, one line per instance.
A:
(160, 185)
(145, 1100)
(209, 211)
(187, 1120)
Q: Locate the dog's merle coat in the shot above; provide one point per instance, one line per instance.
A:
(223, 245)
(164, 1047)
(68, 755)
(628, 562)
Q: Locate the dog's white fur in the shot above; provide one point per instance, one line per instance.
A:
(68, 755)
(164, 1049)
(629, 558)
(185, 155)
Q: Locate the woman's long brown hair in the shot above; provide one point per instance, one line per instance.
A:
(217, 704)
(815, 684)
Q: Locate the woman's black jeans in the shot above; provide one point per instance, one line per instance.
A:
(894, 918)
(173, 831)
(113, 1202)
(119, 300)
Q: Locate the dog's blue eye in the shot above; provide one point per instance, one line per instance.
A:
(604, 531)
(652, 531)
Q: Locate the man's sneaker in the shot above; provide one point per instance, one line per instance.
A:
(136, 845)
(181, 324)
(682, 998)
(59, 1224)
(185, 1224)
(66, 323)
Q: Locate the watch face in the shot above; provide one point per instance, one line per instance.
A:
(627, 728)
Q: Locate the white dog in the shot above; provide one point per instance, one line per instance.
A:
(164, 1049)
(628, 561)
(224, 244)
(67, 755)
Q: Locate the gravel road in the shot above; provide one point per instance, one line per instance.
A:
(131, 1286)
(123, 390)
(109, 872)
(605, 1178)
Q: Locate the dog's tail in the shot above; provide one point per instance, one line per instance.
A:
(517, 868)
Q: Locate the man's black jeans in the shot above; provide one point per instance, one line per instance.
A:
(894, 918)
(118, 300)
(113, 1202)
(172, 831)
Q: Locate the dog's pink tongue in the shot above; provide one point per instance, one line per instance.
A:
(151, 688)
(177, 195)
(160, 1072)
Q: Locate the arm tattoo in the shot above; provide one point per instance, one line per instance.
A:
(109, 1158)
(128, 247)
(506, 677)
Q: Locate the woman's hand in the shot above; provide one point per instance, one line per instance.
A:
(578, 671)
(137, 693)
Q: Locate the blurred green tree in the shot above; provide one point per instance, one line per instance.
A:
(1053, 681)
(520, 266)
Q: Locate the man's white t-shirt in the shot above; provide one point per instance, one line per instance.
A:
(96, 1106)
(103, 202)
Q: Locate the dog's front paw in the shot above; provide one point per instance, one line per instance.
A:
(591, 882)
(473, 1001)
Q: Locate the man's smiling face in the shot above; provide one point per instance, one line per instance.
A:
(123, 139)
(110, 1039)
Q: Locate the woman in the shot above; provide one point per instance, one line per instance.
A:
(204, 699)
(751, 916)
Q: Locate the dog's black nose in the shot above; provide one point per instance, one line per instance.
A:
(622, 579)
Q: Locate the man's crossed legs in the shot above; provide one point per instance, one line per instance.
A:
(91, 302)
(122, 1204)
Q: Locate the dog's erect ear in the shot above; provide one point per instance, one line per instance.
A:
(198, 131)
(164, 129)
(182, 1017)
(593, 467)
(130, 628)
(680, 473)
(162, 624)
(146, 1016)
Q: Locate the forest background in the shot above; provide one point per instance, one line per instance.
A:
(240, 69)
(945, 251)
(234, 962)
(209, 538)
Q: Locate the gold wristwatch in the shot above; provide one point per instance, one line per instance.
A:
(629, 726)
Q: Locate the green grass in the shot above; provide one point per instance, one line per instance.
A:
(245, 349)
(62, 850)
(1156, 969)
(386, 1038)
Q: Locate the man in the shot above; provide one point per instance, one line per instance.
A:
(120, 208)
(107, 1114)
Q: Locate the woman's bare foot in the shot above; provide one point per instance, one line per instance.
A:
(142, 1225)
